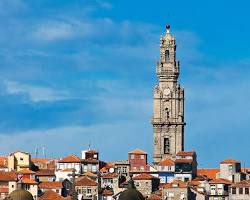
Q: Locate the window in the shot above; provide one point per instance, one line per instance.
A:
(132, 156)
(240, 190)
(21, 158)
(89, 190)
(166, 146)
(142, 157)
(167, 55)
(233, 190)
(57, 191)
(246, 190)
(124, 169)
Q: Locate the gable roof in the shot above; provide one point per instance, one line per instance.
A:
(186, 153)
(29, 181)
(110, 175)
(209, 172)
(220, 181)
(7, 176)
(85, 181)
(137, 151)
(229, 161)
(166, 162)
(183, 160)
(26, 171)
(176, 184)
(51, 195)
(51, 185)
(70, 159)
(45, 172)
(40, 160)
(144, 176)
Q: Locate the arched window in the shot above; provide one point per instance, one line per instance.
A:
(167, 55)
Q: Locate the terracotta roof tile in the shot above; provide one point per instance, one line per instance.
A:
(220, 181)
(229, 161)
(70, 159)
(8, 176)
(89, 174)
(144, 176)
(4, 190)
(210, 173)
(45, 172)
(182, 160)
(51, 185)
(176, 184)
(186, 153)
(40, 160)
(84, 181)
(244, 183)
(110, 175)
(137, 151)
(107, 192)
(51, 195)
(29, 181)
(26, 171)
(3, 161)
(154, 197)
(166, 162)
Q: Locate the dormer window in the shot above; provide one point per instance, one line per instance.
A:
(167, 55)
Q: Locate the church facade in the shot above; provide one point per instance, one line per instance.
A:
(168, 109)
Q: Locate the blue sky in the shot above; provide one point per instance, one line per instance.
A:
(82, 71)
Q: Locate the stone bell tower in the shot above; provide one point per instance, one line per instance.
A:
(168, 115)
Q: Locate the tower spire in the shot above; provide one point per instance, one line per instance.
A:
(168, 117)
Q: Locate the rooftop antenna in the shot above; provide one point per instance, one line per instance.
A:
(44, 154)
(36, 152)
(89, 144)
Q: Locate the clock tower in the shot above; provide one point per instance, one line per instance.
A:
(168, 112)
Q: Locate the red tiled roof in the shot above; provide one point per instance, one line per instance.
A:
(26, 171)
(220, 181)
(176, 184)
(29, 181)
(8, 176)
(144, 176)
(210, 173)
(154, 197)
(84, 181)
(45, 172)
(166, 162)
(51, 195)
(90, 174)
(51, 185)
(110, 175)
(185, 153)
(4, 190)
(70, 159)
(137, 151)
(40, 160)
(229, 161)
(3, 161)
(244, 183)
(183, 160)
(107, 192)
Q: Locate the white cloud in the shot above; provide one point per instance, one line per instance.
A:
(35, 93)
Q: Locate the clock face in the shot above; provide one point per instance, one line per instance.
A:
(166, 92)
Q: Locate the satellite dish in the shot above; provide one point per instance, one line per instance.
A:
(111, 170)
